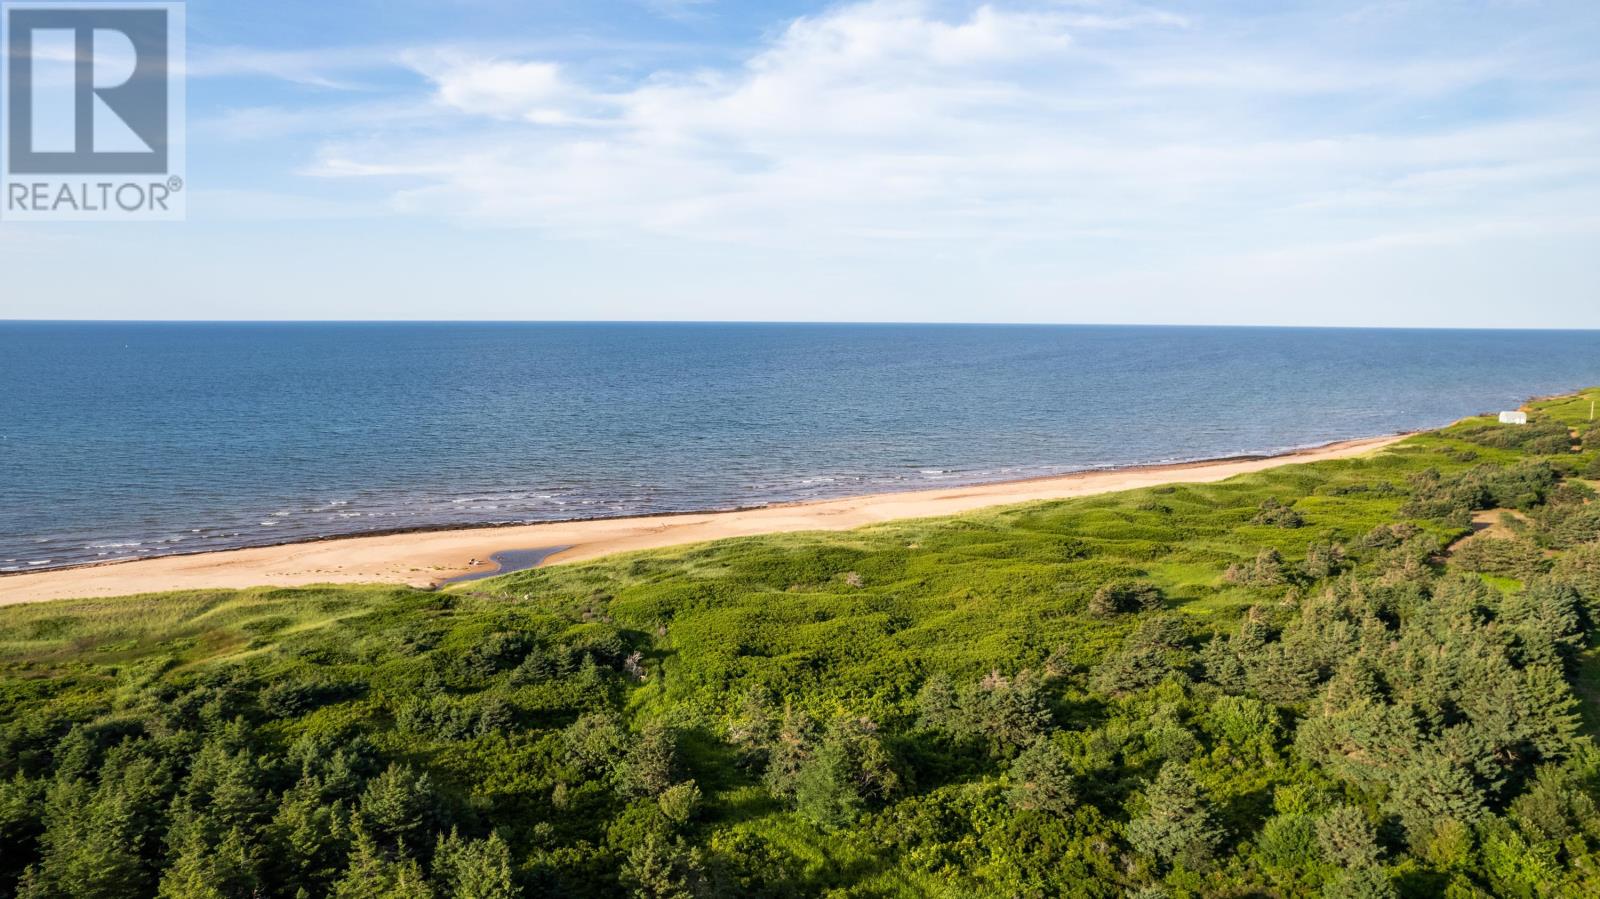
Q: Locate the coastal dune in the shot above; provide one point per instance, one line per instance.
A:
(429, 558)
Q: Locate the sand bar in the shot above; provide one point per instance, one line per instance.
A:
(425, 558)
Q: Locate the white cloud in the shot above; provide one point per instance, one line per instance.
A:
(532, 91)
(1061, 126)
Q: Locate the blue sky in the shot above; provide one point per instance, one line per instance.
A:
(1406, 163)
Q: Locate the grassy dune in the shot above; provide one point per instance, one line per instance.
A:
(1315, 680)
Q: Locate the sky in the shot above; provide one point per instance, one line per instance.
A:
(1431, 163)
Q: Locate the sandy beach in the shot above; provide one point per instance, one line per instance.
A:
(424, 559)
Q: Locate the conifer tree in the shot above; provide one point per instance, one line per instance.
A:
(1124, 597)
(398, 808)
(473, 869)
(662, 867)
(1177, 824)
(1346, 838)
(680, 802)
(1434, 789)
(850, 767)
(310, 837)
(227, 870)
(1155, 651)
(649, 765)
(1222, 666)
(1041, 781)
(373, 874)
(754, 725)
(795, 745)
(93, 845)
(1361, 883)
(937, 705)
(20, 826)
(1281, 673)
(595, 742)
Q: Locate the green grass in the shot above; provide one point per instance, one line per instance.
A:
(1573, 410)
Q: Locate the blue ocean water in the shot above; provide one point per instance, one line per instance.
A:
(122, 440)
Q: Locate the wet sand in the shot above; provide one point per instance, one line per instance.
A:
(429, 558)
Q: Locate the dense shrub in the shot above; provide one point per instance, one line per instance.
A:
(1540, 436)
(1123, 597)
(1266, 571)
(1273, 513)
(1511, 558)
(1005, 712)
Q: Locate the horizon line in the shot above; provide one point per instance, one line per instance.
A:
(775, 322)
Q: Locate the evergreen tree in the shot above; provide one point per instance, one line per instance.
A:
(595, 743)
(373, 874)
(680, 802)
(1222, 666)
(1287, 841)
(1347, 839)
(398, 808)
(473, 869)
(1267, 570)
(850, 767)
(21, 808)
(224, 792)
(1557, 805)
(1041, 780)
(97, 841)
(754, 725)
(825, 791)
(663, 867)
(310, 837)
(937, 706)
(1324, 559)
(1361, 883)
(1549, 617)
(1281, 673)
(1431, 790)
(1177, 824)
(1550, 723)
(1156, 650)
(1007, 712)
(795, 745)
(650, 762)
(1124, 597)
(228, 870)
(1357, 681)
(1274, 513)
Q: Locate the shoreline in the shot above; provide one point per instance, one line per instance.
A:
(426, 557)
(408, 530)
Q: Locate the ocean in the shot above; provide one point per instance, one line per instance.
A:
(122, 440)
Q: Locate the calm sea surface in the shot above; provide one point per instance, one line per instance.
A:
(123, 440)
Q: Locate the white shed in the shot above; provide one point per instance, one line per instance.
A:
(1513, 418)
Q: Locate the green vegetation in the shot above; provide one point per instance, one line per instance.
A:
(1313, 681)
